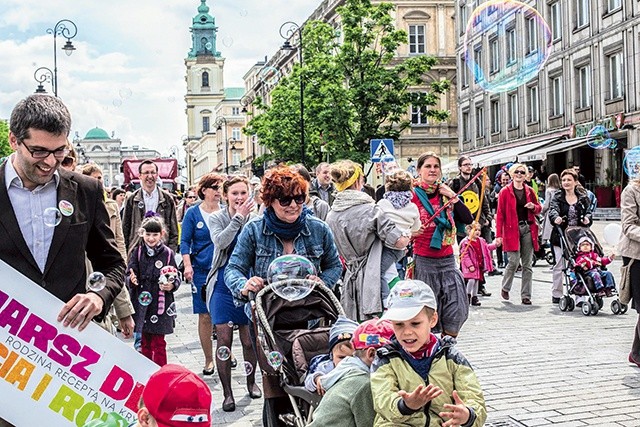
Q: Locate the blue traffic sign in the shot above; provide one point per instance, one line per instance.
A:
(380, 148)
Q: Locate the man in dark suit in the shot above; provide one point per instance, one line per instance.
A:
(51, 218)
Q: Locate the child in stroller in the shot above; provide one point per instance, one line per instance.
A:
(588, 260)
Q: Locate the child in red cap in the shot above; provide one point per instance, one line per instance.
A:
(348, 401)
(175, 397)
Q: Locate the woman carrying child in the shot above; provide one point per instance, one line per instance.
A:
(475, 260)
(152, 280)
(366, 238)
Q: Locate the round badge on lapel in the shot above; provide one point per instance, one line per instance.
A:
(158, 264)
(200, 224)
(66, 208)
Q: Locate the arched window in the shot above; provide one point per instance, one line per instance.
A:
(205, 79)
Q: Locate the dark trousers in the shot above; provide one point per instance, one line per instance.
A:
(154, 347)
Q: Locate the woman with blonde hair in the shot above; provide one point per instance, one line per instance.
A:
(366, 238)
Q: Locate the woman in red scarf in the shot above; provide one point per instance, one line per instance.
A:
(433, 247)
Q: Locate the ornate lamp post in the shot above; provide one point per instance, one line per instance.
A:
(64, 28)
(287, 31)
(219, 123)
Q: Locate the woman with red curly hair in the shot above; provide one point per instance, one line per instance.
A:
(286, 227)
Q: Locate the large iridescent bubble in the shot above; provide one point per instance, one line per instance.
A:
(631, 163)
(506, 44)
(288, 276)
(598, 137)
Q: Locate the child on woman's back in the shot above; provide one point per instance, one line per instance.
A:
(475, 260)
(152, 280)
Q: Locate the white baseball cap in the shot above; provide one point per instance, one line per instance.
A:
(407, 298)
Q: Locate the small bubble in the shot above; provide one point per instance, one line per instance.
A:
(248, 369)
(141, 205)
(96, 281)
(227, 41)
(223, 353)
(275, 359)
(269, 75)
(125, 93)
(230, 324)
(52, 217)
(145, 298)
(244, 12)
(117, 102)
(171, 99)
(194, 289)
(154, 319)
(172, 310)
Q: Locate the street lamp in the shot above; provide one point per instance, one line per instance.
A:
(64, 28)
(245, 101)
(218, 124)
(226, 153)
(287, 32)
(41, 75)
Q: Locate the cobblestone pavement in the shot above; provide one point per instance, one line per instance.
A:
(537, 365)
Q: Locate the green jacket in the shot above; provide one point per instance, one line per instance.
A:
(450, 371)
(347, 404)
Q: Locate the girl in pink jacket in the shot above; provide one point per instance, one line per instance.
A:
(475, 260)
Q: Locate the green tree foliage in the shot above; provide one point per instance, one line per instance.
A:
(5, 148)
(355, 88)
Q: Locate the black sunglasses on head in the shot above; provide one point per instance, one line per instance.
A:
(286, 200)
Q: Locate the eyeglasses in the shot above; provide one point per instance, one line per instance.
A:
(520, 172)
(214, 187)
(41, 153)
(286, 200)
(191, 197)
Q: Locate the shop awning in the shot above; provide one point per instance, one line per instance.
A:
(515, 153)
(558, 147)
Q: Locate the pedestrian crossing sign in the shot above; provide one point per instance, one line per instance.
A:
(380, 148)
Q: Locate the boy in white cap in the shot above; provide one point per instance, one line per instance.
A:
(416, 357)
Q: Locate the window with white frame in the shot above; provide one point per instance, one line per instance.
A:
(583, 86)
(416, 39)
(512, 102)
(616, 76)
(582, 12)
(465, 126)
(495, 116)
(531, 25)
(512, 45)
(205, 79)
(464, 72)
(235, 111)
(613, 5)
(534, 103)
(557, 96)
(494, 53)
(418, 115)
(477, 58)
(206, 127)
(555, 19)
(479, 121)
(236, 134)
(464, 18)
(236, 156)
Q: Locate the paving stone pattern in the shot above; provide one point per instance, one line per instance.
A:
(537, 365)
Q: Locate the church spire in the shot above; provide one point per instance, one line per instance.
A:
(203, 33)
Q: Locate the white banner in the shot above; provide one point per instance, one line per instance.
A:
(58, 376)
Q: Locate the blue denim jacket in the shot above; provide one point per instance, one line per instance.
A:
(257, 246)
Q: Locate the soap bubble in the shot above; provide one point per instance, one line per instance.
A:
(141, 205)
(172, 310)
(230, 324)
(269, 75)
(288, 277)
(154, 319)
(223, 353)
(631, 163)
(598, 137)
(171, 99)
(96, 281)
(208, 46)
(145, 298)
(248, 369)
(227, 41)
(194, 289)
(388, 164)
(51, 217)
(244, 12)
(497, 23)
(611, 233)
(275, 359)
(117, 102)
(125, 93)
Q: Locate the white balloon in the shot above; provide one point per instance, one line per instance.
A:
(612, 234)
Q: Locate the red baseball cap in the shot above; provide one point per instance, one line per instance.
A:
(372, 333)
(177, 397)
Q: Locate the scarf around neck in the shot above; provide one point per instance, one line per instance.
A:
(399, 199)
(285, 230)
(349, 198)
(445, 226)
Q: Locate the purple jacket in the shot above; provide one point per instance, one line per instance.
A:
(147, 270)
(470, 259)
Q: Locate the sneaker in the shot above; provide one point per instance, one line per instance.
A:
(483, 291)
(526, 301)
(475, 301)
(495, 273)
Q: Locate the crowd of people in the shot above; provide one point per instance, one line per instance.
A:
(223, 234)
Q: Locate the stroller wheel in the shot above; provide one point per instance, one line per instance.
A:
(594, 309)
(615, 307)
(600, 302)
(586, 308)
(624, 308)
(563, 305)
(572, 303)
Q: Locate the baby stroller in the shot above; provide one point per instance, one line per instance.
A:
(286, 344)
(576, 282)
